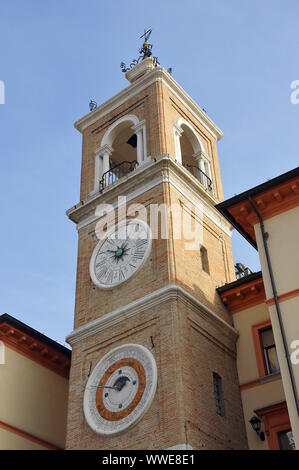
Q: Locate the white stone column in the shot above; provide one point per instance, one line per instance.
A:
(139, 130)
(97, 170)
(106, 153)
(177, 143)
(201, 165)
(102, 156)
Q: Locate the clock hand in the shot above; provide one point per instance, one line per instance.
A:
(121, 382)
(104, 386)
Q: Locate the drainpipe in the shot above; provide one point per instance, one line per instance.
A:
(265, 236)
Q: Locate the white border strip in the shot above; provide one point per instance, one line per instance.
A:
(219, 221)
(125, 312)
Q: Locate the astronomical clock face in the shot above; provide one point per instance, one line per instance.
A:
(120, 254)
(120, 389)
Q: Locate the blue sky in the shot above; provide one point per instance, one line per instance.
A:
(236, 59)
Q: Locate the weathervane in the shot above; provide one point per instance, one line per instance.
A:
(146, 48)
(145, 51)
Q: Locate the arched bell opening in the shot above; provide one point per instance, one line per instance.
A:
(187, 150)
(124, 146)
(190, 153)
(122, 150)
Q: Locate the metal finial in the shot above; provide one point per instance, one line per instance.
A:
(92, 105)
(145, 51)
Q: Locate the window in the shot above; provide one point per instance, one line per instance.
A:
(218, 392)
(265, 349)
(286, 440)
(269, 349)
(204, 259)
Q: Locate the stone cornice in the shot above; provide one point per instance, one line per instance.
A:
(157, 74)
(244, 296)
(271, 199)
(35, 349)
(269, 203)
(163, 169)
(170, 292)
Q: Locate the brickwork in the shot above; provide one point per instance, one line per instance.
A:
(160, 109)
(189, 342)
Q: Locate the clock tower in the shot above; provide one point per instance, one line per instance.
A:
(154, 348)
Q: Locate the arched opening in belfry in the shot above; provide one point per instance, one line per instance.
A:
(193, 157)
(187, 150)
(122, 150)
(124, 144)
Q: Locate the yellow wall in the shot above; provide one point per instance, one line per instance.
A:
(261, 395)
(246, 358)
(11, 441)
(283, 231)
(255, 398)
(33, 399)
(283, 240)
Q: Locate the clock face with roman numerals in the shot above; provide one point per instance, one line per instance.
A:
(120, 254)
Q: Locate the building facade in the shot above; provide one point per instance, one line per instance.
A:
(265, 305)
(34, 388)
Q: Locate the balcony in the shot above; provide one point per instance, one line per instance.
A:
(116, 172)
(200, 176)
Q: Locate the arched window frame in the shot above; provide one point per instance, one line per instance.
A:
(105, 150)
(201, 158)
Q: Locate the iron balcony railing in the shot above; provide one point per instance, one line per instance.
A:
(116, 172)
(199, 175)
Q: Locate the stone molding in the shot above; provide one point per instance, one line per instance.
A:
(170, 292)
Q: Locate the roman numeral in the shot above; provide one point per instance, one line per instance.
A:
(138, 255)
(110, 277)
(141, 243)
(102, 272)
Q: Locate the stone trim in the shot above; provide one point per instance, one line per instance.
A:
(170, 292)
(158, 74)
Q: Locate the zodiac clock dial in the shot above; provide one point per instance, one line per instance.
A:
(120, 389)
(120, 254)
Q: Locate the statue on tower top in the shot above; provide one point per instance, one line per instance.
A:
(145, 51)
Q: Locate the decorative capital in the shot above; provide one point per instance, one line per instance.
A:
(201, 155)
(104, 149)
(138, 127)
(178, 130)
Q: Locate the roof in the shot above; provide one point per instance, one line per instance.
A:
(34, 345)
(230, 207)
(243, 293)
(239, 282)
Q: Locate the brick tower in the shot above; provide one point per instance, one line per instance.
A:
(154, 356)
